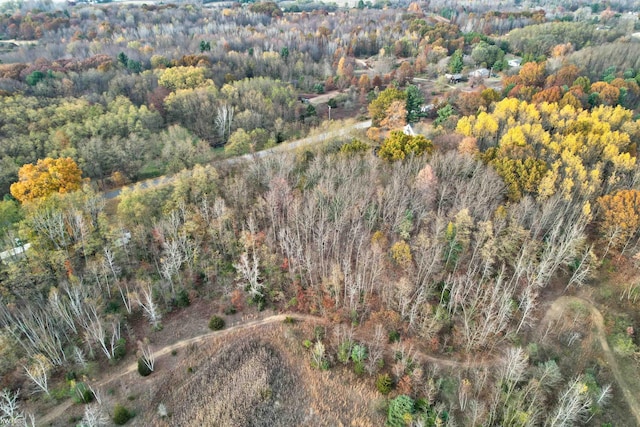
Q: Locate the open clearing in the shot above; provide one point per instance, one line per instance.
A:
(256, 373)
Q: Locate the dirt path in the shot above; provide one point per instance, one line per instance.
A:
(554, 311)
(558, 306)
(59, 410)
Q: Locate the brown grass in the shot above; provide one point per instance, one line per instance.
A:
(256, 378)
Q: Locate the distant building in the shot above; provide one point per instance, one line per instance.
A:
(15, 253)
(408, 130)
(427, 108)
(454, 78)
(513, 63)
(480, 72)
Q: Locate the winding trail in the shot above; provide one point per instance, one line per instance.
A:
(59, 410)
(559, 305)
(555, 309)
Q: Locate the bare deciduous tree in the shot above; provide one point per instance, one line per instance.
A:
(573, 405)
(38, 372)
(249, 271)
(148, 356)
(94, 416)
(145, 300)
(9, 407)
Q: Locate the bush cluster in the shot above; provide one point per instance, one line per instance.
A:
(143, 369)
(121, 415)
(216, 323)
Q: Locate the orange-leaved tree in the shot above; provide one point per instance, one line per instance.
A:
(46, 177)
(620, 216)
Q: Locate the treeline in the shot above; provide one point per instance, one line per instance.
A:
(537, 40)
(598, 61)
(116, 140)
(515, 5)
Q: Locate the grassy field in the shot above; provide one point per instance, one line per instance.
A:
(252, 378)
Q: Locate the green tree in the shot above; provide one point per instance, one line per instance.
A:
(487, 54)
(443, 114)
(181, 149)
(239, 143)
(267, 7)
(10, 213)
(400, 412)
(399, 145)
(415, 100)
(205, 46)
(35, 77)
(143, 368)
(455, 62)
(135, 66)
(123, 58)
(355, 147)
(384, 383)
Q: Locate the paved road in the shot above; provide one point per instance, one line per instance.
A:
(285, 146)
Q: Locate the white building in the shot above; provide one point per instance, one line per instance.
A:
(513, 63)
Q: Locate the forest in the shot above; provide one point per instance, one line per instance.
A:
(297, 212)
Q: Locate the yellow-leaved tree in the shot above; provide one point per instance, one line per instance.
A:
(46, 177)
(399, 145)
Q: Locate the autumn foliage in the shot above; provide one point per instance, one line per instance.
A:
(620, 216)
(547, 148)
(399, 145)
(46, 177)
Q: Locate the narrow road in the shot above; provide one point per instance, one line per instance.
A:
(285, 146)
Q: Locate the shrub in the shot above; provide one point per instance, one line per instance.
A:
(624, 345)
(143, 369)
(216, 323)
(344, 351)
(120, 349)
(121, 415)
(182, 299)
(81, 393)
(384, 383)
(355, 146)
(394, 336)
(229, 310)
